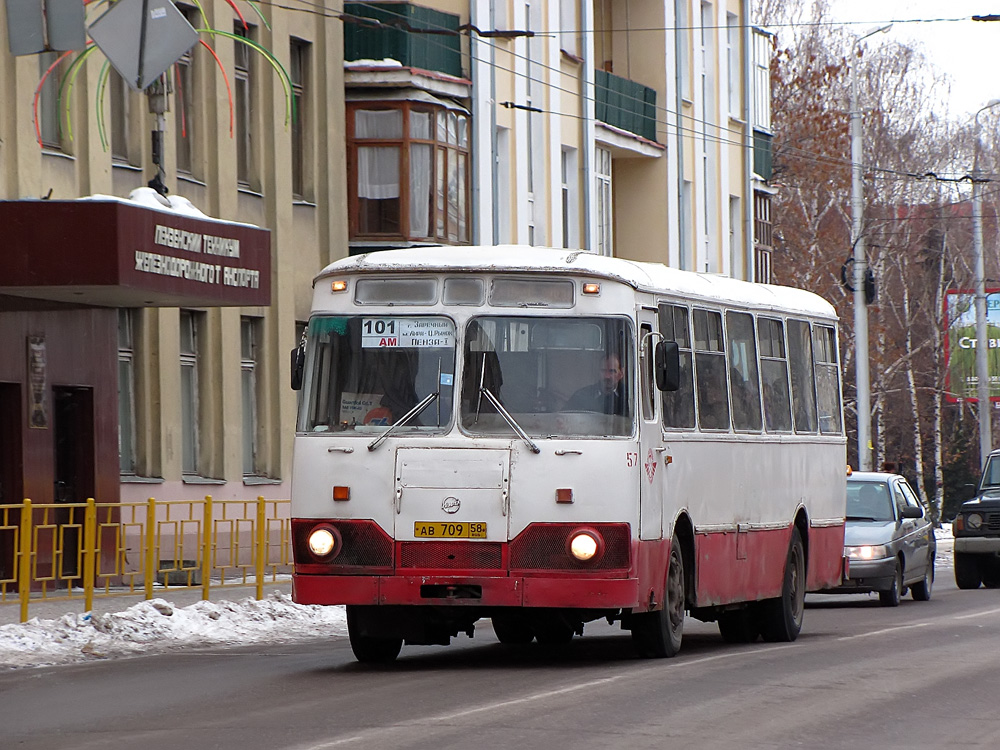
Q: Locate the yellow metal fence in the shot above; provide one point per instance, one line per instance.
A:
(82, 550)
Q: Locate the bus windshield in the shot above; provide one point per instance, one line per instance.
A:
(554, 376)
(363, 373)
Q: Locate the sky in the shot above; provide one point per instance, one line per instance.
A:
(157, 626)
(967, 51)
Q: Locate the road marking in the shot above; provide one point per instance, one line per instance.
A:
(543, 695)
(978, 614)
(884, 631)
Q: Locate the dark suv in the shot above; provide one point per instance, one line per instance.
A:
(977, 532)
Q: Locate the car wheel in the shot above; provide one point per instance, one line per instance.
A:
(370, 649)
(967, 572)
(512, 631)
(922, 591)
(781, 619)
(891, 597)
(553, 632)
(658, 634)
(739, 626)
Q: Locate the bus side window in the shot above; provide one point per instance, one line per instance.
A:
(800, 360)
(744, 383)
(678, 406)
(710, 371)
(774, 375)
(827, 380)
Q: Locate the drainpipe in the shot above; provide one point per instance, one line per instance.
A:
(679, 50)
(749, 271)
(586, 16)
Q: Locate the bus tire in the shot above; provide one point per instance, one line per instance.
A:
(369, 649)
(658, 634)
(781, 618)
(512, 630)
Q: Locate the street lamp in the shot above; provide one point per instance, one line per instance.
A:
(862, 379)
(982, 348)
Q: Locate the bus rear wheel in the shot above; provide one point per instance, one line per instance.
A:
(370, 649)
(658, 634)
(781, 618)
(512, 630)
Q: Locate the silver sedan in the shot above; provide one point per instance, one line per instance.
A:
(888, 539)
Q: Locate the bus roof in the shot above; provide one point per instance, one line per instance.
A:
(650, 277)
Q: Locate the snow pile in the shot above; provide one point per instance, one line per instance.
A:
(945, 547)
(157, 626)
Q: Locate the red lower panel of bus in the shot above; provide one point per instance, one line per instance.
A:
(750, 565)
(472, 591)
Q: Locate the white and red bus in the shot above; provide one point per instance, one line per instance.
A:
(548, 437)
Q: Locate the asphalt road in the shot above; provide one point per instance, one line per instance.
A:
(923, 675)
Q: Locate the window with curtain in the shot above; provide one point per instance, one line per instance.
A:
(244, 105)
(410, 172)
(249, 342)
(184, 102)
(48, 102)
(299, 72)
(190, 410)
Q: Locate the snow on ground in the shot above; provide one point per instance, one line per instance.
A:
(156, 626)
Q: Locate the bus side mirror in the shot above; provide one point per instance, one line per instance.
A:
(667, 366)
(298, 365)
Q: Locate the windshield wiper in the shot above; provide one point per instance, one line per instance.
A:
(411, 414)
(509, 419)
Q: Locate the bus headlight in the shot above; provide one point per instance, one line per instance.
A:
(585, 545)
(323, 542)
(974, 521)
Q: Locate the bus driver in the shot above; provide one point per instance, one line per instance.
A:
(607, 395)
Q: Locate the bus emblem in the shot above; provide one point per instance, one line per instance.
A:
(650, 465)
(451, 505)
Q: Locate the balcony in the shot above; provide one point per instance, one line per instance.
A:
(625, 104)
(394, 32)
(763, 158)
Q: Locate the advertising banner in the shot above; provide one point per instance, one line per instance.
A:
(960, 344)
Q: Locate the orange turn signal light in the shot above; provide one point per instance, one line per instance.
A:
(338, 286)
(564, 495)
(341, 493)
(591, 288)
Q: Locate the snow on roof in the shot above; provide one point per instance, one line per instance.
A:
(146, 197)
(640, 275)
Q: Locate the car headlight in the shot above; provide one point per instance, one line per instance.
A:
(974, 521)
(867, 552)
(585, 545)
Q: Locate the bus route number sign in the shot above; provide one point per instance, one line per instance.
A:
(404, 333)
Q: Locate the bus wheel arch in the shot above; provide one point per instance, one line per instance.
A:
(684, 536)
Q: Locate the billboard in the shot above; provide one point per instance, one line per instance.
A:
(960, 344)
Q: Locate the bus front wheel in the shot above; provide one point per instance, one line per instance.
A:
(658, 634)
(368, 648)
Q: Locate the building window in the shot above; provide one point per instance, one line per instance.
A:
(243, 95)
(570, 200)
(184, 103)
(733, 62)
(570, 31)
(190, 410)
(604, 217)
(126, 392)
(249, 338)
(121, 147)
(432, 202)
(298, 70)
(48, 102)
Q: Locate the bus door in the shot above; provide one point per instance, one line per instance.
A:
(651, 449)
(451, 494)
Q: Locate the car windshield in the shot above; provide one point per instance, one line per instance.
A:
(363, 374)
(554, 377)
(991, 475)
(869, 501)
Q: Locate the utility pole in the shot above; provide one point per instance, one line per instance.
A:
(982, 346)
(862, 377)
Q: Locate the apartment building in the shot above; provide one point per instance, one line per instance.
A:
(622, 127)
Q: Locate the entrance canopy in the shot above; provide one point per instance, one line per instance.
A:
(118, 253)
